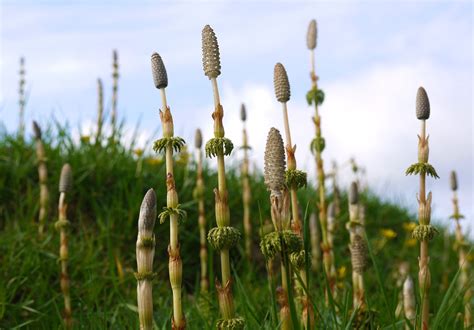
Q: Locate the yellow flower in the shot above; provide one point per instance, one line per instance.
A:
(154, 161)
(85, 138)
(341, 272)
(138, 152)
(411, 242)
(409, 226)
(388, 233)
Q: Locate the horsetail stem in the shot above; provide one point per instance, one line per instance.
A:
(274, 175)
(358, 248)
(21, 98)
(43, 178)
(246, 191)
(294, 178)
(100, 110)
(65, 186)
(424, 232)
(115, 78)
(169, 143)
(199, 196)
(145, 251)
(316, 96)
(409, 305)
(223, 237)
(460, 246)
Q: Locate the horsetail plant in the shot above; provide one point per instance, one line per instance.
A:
(246, 191)
(115, 78)
(424, 231)
(21, 98)
(62, 225)
(43, 178)
(199, 197)
(223, 237)
(409, 305)
(316, 96)
(145, 253)
(358, 248)
(167, 144)
(460, 246)
(295, 179)
(100, 111)
(282, 241)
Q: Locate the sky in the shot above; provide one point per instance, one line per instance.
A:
(371, 58)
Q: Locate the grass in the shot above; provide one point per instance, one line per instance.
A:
(103, 209)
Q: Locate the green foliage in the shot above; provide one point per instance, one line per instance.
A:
(424, 232)
(175, 142)
(223, 237)
(295, 178)
(317, 144)
(218, 146)
(103, 209)
(169, 211)
(422, 168)
(315, 95)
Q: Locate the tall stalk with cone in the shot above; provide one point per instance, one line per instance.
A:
(62, 225)
(424, 231)
(115, 78)
(295, 179)
(100, 111)
(358, 248)
(316, 96)
(43, 178)
(199, 197)
(145, 254)
(246, 191)
(282, 241)
(223, 237)
(460, 246)
(21, 98)
(169, 144)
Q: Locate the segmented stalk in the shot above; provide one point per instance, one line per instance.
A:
(316, 96)
(62, 225)
(43, 179)
(199, 196)
(21, 98)
(295, 179)
(246, 191)
(424, 232)
(100, 110)
(145, 250)
(115, 78)
(357, 247)
(168, 144)
(223, 237)
(460, 245)
(409, 305)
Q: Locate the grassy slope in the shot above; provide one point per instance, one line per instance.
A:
(103, 212)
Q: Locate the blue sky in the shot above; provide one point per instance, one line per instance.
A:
(371, 58)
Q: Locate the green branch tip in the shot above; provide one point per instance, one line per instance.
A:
(295, 178)
(60, 224)
(218, 146)
(316, 96)
(272, 243)
(298, 259)
(223, 238)
(424, 232)
(169, 211)
(175, 142)
(317, 145)
(422, 168)
(144, 276)
(236, 323)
